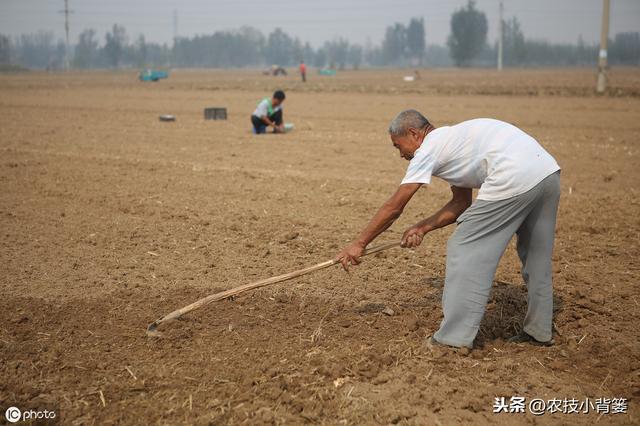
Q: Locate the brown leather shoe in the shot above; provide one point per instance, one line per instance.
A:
(526, 338)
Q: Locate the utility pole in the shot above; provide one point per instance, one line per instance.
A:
(67, 49)
(500, 37)
(602, 56)
(175, 36)
(175, 26)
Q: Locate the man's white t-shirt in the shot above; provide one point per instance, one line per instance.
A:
(263, 108)
(497, 157)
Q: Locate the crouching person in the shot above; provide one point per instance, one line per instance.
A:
(269, 114)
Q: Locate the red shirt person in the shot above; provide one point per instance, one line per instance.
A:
(303, 71)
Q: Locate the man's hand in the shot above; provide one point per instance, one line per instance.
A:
(412, 237)
(388, 213)
(350, 255)
(460, 201)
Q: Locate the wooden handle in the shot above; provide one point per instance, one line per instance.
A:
(262, 283)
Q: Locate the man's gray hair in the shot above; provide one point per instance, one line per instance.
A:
(405, 120)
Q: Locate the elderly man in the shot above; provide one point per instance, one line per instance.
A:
(519, 191)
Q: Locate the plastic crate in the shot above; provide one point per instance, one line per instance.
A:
(215, 113)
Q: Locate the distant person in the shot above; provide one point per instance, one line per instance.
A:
(275, 70)
(303, 71)
(269, 114)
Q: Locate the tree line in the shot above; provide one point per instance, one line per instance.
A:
(403, 45)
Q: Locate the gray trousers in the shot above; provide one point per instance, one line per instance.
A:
(475, 248)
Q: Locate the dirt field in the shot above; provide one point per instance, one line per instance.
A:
(110, 219)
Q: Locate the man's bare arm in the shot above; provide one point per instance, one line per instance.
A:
(266, 120)
(460, 201)
(386, 215)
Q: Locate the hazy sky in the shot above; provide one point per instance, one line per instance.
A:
(313, 21)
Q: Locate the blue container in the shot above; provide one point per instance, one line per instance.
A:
(326, 71)
(152, 75)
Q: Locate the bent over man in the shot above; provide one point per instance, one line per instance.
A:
(519, 191)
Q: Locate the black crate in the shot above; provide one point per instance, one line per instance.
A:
(215, 113)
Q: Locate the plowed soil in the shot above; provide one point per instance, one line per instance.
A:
(110, 219)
